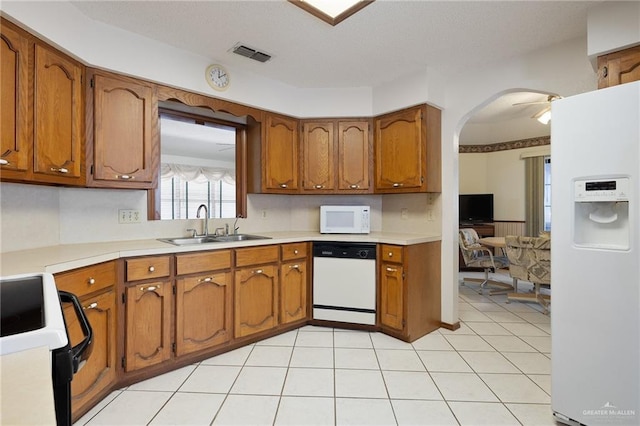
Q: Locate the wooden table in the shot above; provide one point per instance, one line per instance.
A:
(494, 242)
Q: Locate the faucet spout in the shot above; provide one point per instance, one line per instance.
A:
(205, 226)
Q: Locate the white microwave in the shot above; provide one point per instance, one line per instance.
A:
(344, 219)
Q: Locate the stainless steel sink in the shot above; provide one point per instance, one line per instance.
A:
(240, 237)
(183, 241)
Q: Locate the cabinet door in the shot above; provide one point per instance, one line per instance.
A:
(148, 325)
(293, 291)
(99, 372)
(353, 155)
(125, 143)
(400, 151)
(256, 299)
(619, 67)
(15, 143)
(58, 118)
(392, 296)
(280, 155)
(318, 156)
(203, 312)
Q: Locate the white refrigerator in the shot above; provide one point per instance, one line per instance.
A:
(595, 261)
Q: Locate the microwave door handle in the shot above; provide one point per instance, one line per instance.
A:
(82, 350)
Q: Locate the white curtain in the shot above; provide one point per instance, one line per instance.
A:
(197, 173)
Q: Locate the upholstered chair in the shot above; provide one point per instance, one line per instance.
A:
(530, 260)
(476, 255)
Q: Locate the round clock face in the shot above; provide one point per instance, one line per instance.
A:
(217, 77)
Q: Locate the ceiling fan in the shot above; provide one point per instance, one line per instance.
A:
(544, 115)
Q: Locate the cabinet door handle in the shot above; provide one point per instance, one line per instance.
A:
(150, 288)
(124, 177)
(59, 169)
(257, 271)
(397, 185)
(283, 185)
(93, 305)
(152, 268)
(391, 269)
(4, 162)
(205, 280)
(294, 267)
(353, 186)
(91, 281)
(319, 186)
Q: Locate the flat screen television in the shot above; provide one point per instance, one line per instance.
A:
(476, 208)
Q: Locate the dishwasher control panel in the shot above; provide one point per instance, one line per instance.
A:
(344, 250)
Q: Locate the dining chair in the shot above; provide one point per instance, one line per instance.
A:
(475, 255)
(530, 260)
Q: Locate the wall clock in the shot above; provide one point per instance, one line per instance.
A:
(217, 77)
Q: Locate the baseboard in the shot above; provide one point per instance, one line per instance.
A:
(452, 327)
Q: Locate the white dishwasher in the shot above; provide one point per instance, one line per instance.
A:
(344, 282)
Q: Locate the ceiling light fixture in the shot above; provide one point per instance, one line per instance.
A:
(544, 116)
(331, 11)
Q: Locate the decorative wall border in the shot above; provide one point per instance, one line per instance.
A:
(504, 146)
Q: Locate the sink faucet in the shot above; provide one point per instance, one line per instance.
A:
(205, 228)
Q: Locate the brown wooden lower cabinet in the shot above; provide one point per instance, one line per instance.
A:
(148, 324)
(203, 311)
(256, 299)
(409, 290)
(99, 372)
(293, 291)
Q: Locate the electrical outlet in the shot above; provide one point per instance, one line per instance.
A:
(404, 214)
(128, 216)
(263, 214)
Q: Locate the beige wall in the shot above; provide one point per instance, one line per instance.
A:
(502, 174)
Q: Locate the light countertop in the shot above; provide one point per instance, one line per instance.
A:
(64, 257)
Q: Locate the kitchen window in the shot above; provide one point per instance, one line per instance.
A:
(180, 198)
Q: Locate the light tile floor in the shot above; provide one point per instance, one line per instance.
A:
(494, 370)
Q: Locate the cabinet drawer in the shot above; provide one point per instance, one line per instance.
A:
(201, 262)
(294, 251)
(257, 255)
(87, 280)
(391, 253)
(148, 267)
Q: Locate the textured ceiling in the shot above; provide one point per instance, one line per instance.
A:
(383, 42)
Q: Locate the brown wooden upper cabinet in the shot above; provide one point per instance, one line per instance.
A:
(407, 150)
(42, 111)
(619, 67)
(336, 156)
(280, 154)
(125, 151)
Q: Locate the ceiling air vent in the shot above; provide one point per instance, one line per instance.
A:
(250, 53)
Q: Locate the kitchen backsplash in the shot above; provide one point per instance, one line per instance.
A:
(34, 216)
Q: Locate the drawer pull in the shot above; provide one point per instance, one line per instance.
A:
(150, 288)
(283, 185)
(93, 305)
(391, 269)
(152, 268)
(4, 162)
(205, 280)
(257, 271)
(294, 267)
(397, 185)
(390, 254)
(59, 169)
(91, 281)
(319, 186)
(353, 186)
(124, 177)
(295, 251)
